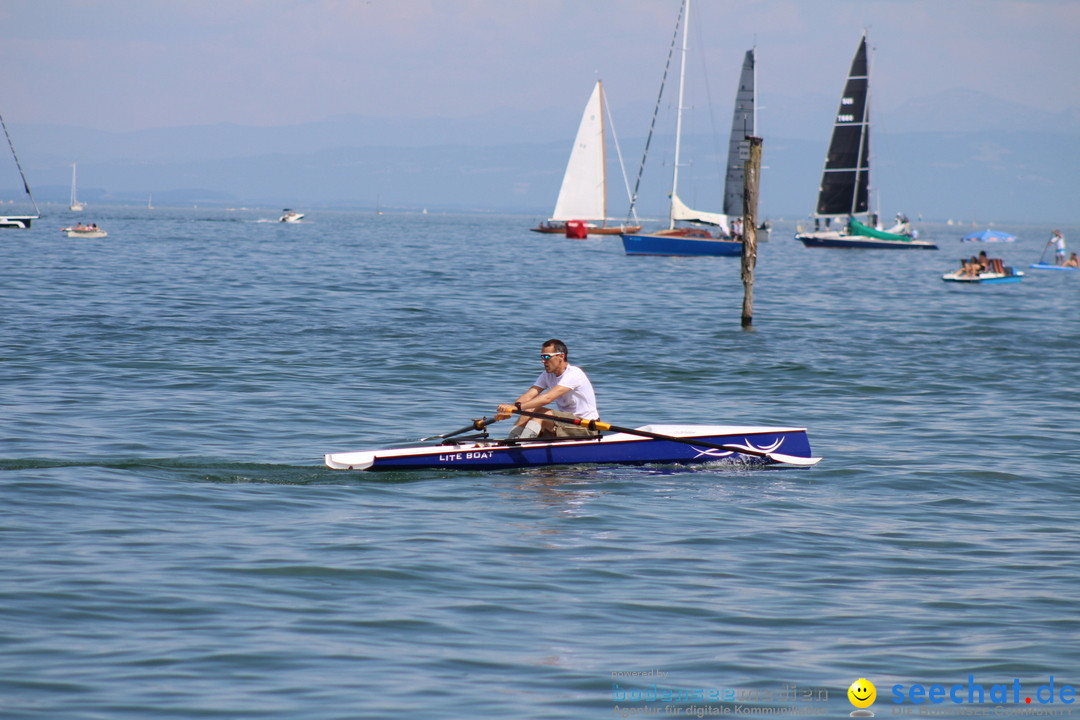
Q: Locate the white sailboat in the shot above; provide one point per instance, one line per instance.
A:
(583, 194)
(18, 221)
(75, 205)
(682, 240)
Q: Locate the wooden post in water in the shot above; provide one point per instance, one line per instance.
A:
(749, 248)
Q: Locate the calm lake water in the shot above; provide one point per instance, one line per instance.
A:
(173, 547)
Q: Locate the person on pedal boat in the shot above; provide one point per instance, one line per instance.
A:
(561, 383)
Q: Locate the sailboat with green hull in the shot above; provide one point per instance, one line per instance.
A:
(845, 182)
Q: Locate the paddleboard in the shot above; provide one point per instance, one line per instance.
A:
(1047, 266)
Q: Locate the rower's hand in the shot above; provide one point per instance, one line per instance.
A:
(504, 411)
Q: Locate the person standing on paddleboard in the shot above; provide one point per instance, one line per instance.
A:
(1058, 241)
(562, 383)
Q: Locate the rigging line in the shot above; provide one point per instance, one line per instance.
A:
(26, 185)
(618, 151)
(717, 154)
(656, 110)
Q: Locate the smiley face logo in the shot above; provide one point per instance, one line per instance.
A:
(862, 693)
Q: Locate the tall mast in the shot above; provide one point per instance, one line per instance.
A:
(864, 141)
(678, 121)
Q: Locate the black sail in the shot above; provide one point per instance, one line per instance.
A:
(845, 183)
(742, 124)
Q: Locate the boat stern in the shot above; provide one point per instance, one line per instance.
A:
(350, 461)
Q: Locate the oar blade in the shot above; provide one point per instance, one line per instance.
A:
(774, 456)
(793, 459)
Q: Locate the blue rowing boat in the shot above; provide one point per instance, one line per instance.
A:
(647, 445)
(1048, 266)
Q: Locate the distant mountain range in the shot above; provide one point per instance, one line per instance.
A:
(959, 155)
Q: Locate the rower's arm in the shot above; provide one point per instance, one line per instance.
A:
(532, 399)
(506, 409)
(528, 395)
(541, 399)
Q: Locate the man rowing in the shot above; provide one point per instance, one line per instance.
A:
(562, 383)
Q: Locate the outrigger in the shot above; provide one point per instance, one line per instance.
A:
(650, 444)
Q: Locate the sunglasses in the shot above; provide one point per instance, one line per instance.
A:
(545, 356)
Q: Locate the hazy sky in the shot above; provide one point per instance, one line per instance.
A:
(133, 64)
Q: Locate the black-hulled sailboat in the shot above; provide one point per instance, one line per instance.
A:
(845, 183)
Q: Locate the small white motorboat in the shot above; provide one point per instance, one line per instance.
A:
(84, 231)
(290, 216)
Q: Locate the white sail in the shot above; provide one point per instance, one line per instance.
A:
(583, 195)
(75, 205)
(680, 211)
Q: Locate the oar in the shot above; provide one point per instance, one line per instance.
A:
(597, 425)
(1044, 252)
(476, 425)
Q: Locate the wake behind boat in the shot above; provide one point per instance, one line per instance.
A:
(650, 444)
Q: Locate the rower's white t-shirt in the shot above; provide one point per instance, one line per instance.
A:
(581, 400)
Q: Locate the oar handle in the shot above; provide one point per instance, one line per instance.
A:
(590, 424)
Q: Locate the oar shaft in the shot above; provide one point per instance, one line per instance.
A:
(597, 425)
(476, 425)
